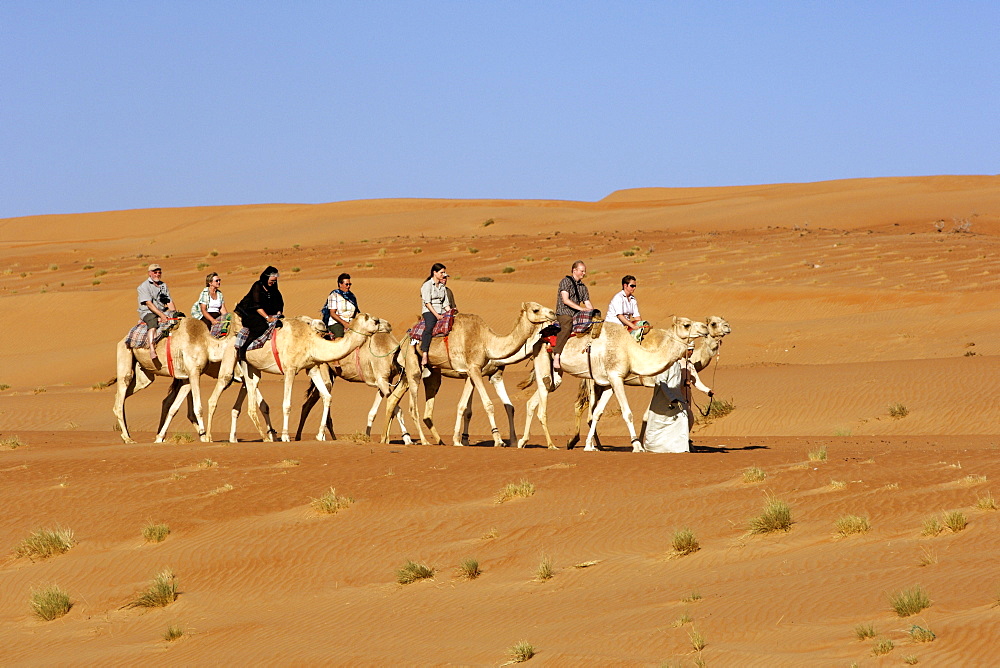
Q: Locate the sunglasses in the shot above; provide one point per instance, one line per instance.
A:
(630, 285)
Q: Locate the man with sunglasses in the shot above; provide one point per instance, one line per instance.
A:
(342, 306)
(624, 309)
(154, 302)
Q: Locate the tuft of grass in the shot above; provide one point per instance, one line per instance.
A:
(754, 474)
(412, 571)
(628, 253)
(492, 534)
(359, 437)
(864, 631)
(488, 222)
(852, 524)
(684, 619)
(685, 542)
(842, 431)
(219, 490)
(927, 557)
(911, 660)
(697, 640)
(296, 270)
(776, 516)
(522, 650)
(898, 411)
(173, 633)
(920, 634)
(99, 273)
(183, 437)
(515, 489)
(162, 591)
(838, 484)
(545, 569)
(53, 267)
(720, 408)
(469, 569)
(45, 543)
(214, 253)
(202, 265)
(882, 646)
(4, 386)
(909, 601)
(695, 596)
(155, 533)
(50, 603)
(986, 502)
(418, 250)
(956, 521)
(932, 527)
(973, 479)
(818, 455)
(472, 250)
(330, 503)
(12, 442)
(484, 279)
(288, 463)
(207, 463)
(508, 270)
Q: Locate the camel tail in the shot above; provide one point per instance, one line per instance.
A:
(524, 384)
(582, 397)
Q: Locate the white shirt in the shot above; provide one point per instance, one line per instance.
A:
(622, 305)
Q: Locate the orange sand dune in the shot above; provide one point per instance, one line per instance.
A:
(845, 298)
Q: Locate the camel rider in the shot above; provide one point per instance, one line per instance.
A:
(261, 306)
(624, 309)
(342, 306)
(154, 302)
(573, 297)
(434, 297)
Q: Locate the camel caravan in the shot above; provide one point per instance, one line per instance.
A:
(573, 340)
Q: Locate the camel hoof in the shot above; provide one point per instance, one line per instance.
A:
(321, 437)
(158, 439)
(407, 440)
(205, 438)
(459, 444)
(285, 438)
(553, 447)
(128, 440)
(523, 442)
(590, 448)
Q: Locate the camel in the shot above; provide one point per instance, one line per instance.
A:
(706, 348)
(467, 352)
(193, 352)
(614, 355)
(375, 365)
(298, 346)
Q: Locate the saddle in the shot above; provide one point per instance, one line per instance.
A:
(584, 320)
(136, 337)
(441, 328)
(220, 329)
(244, 334)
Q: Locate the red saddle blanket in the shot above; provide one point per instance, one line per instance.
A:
(441, 328)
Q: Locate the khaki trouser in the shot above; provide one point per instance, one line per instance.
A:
(565, 331)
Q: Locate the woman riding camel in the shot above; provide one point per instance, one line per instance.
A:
(211, 305)
(342, 306)
(261, 306)
(434, 296)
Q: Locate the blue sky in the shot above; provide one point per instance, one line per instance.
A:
(120, 105)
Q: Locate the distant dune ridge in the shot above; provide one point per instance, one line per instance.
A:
(865, 321)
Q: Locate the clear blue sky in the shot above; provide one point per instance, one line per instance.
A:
(133, 104)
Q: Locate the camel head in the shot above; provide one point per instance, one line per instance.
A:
(368, 324)
(717, 327)
(687, 329)
(537, 313)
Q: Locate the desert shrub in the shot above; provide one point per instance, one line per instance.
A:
(492, 534)
(818, 455)
(920, 634)
(838, 484)
(932, 527)
(776, 516)
(909, 601)
(173, 632)
(207, 463)
(508, 270)
(469, 569)
(882, 646)
(412, 571)
(694, 596)
(545, 570)
(684, 542)
(973, 479)
(484, 279)
(864, 631)
(697, 640)
(296, 270)
(214, 253)
(911, 660)
(45, 543)
(162, 591)
(515, 489)
(851, 524)
(472, 250)
(955, 520)
(684, 619)
(183, 437)
(628, 253)
(488, 222)
(155, 533)
(202, 265)
(754, 474)
(11, 442)
(50, 603)
(330, 503)
(898, 410)
(986, 502)
(521, 651)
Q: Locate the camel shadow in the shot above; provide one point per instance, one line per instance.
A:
(725, 449)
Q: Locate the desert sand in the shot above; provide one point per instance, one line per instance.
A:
(845, 298)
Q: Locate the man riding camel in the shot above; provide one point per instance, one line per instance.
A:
(154, 302)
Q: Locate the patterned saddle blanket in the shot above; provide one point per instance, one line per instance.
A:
(441, 328)
(136, 337)
(244, 334)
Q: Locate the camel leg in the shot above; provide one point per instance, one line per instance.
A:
(392, 409)
(372, 413)
(529, 408)
(125, 386)
(407, 360)
(312, 396)
(213, 401)
(179, 391)
(464, 415)
(497, 381)
(595, 417)
(477, 379)
(320, 384)
(619, 390)
(431, 386)
(286, 402)
(251, 382)
(194, 382)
